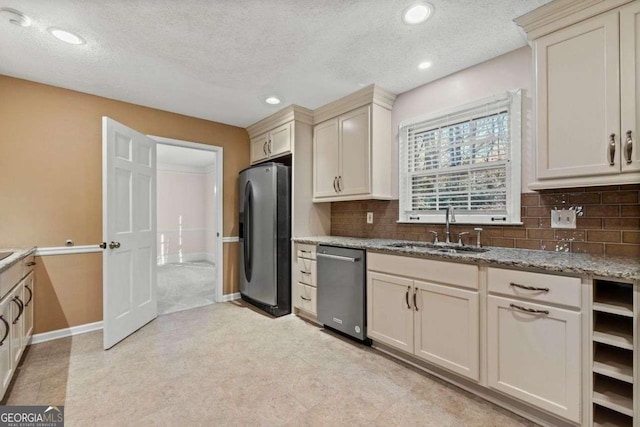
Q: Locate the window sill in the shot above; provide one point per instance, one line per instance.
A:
(442, 222)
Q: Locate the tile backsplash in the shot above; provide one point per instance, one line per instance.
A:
(609, 223)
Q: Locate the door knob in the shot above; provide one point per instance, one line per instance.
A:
(114, 245)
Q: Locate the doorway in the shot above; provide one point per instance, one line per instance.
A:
(189, 221)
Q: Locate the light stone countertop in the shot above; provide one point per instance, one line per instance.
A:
(571, 263)
(18, 255)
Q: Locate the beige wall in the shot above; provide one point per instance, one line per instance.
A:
(51, 175)
(512, 70)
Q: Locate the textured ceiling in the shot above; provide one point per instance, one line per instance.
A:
(217, 59)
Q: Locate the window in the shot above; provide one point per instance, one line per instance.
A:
(467, 158)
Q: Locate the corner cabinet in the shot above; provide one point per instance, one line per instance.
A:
(429, 309)
(587, 95)
(352, 147)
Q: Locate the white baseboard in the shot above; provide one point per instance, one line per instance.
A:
(231, 297)
(67, 332)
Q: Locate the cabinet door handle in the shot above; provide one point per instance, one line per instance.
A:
(6, 330)
(340, 184)
(628, 147)
(30, 296)
(406, 297)
(612, 149)
(335, 178)
(264, 148)
(30, 264)
(269, 146)
(20, 308)
(306, 299)
(415, 303)
(529, 310)
(529, 288)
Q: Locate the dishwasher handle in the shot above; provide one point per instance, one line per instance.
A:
(338, 257)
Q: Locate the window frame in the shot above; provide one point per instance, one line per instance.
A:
(513, 101)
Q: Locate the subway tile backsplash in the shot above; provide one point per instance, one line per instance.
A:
(609, 223)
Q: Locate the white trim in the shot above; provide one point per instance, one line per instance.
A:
(64, 333)
(219, 167)
(68, 250)
(231, 239)
(230, 297)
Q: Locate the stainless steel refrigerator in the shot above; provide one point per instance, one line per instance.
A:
(265, 234)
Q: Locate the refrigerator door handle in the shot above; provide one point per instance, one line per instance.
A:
(248, 230)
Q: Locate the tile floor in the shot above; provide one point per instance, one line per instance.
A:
(182, 286)
(225, 364)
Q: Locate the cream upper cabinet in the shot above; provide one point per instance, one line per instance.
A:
(326, 159)
(389, 310)
(280, 140)
(630, 85)
(578, 99)
(587, 93)
(534, 354)
(447, 327)
(272, 144)
(355, 159)
(259, 148)
(353, 147)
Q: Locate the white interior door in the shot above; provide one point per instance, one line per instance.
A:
(129, 228)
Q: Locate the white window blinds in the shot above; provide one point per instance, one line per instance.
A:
(463, 158)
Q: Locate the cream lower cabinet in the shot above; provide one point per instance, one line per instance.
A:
(29, 295)
(434, 322)
(535, 356)
(18, 340)
(6, 365)
(304, 279)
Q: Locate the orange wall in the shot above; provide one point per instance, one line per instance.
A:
(51, 177)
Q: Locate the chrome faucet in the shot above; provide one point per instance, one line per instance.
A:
(449, 218)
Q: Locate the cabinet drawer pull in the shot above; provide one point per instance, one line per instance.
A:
(529, 288)
(406, 297)
(529, 310)
(415, 304)
(612, 149)
(306, 299)
(628, 147)
(6, 330)
(305, 272)
(30, 296)
(30, 264)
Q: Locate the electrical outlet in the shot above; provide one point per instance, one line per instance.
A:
(563, 218)
(369, 217)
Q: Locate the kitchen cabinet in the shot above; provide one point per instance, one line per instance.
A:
(272, 144)
(6, 365)
(586, 93)
(29, 295)
(352, 147)
(17, 338)
(439, 323)
(534, 354)
(304, 274)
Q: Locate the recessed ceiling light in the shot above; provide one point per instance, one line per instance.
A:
(417, 13)
(272, 100)
(424, 65)
(15, 17)
(66, 36)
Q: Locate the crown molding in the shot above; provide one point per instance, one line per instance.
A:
(371, 94)
(287, 114)
(562, 13)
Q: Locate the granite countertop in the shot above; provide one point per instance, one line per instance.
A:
(18, 255)
(571, 263)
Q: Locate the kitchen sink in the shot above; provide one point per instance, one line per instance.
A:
(438, 247)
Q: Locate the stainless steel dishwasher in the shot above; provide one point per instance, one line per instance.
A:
(341, 290)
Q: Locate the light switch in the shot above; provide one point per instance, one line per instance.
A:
(563, 218)
(369, 217)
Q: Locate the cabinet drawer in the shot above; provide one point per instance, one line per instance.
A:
(9, 278)
(28, 264)
(463, 275)
(306, 251)
(307, 265)
(546, 287)
(306, 298)
(307, 276)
